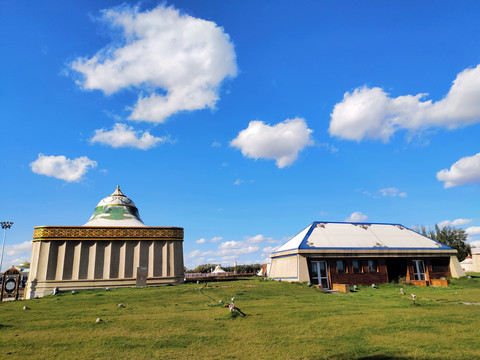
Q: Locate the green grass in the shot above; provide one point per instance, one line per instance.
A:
(284, 321)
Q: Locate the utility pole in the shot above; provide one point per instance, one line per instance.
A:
(5, 225)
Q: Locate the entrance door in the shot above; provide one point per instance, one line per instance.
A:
(419, 270)
(396, 269)
(320, 274)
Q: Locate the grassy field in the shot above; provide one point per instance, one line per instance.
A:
(284, 321)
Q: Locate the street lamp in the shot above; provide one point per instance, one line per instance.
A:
(5, 225)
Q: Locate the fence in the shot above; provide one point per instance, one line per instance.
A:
(213, 276)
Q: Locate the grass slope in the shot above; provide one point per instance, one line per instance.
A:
(284, 321)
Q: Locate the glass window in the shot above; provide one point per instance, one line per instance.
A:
(341, 267)
(372, 266)
(314, 269)
(356, 266)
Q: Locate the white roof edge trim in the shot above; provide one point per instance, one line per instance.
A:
(295, 241)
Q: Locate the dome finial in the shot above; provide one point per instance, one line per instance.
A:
(117, 192)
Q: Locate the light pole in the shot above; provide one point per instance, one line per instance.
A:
(5, 225)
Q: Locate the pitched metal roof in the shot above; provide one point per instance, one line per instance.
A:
(356, 236)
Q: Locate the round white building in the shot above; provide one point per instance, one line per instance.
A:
(112, 249)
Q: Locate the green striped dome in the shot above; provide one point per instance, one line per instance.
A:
(115, 210)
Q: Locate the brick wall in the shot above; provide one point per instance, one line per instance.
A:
(435, 268)
(363, 277)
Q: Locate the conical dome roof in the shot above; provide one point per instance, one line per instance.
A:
(115, 210)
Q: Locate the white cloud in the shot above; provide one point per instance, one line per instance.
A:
(16, 254)
(216, 144)
(260, 239)
(174, 61)
(357, 216)
(238, 182)
(464, 171)
(473, 230)
(231, 248)
(332, 148)
(125, 136)
(372, 113)
(24, 248)
(244, 252)
(393, 192)
(201, 241)
(194, 253)
(62, 168)
(268, 250)
(475, 244)
(199, 254)
(229, 258)
(444, 223)
(112, 115)
(460, 222)
(456, 222)
(281, 142)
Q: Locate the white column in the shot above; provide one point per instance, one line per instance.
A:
(76, 260)
(136, 257)
(43, 260)
(165, 258)
(107, 260)
(121, 261)
(91, 261)
(60, 261)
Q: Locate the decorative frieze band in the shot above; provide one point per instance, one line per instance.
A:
(112, 233)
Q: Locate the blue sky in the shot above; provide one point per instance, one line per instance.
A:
(242, 122)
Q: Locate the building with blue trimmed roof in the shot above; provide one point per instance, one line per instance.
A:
(327, 253)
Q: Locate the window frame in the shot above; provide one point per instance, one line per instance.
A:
(358, 270)
(322, 277)
(417, 274)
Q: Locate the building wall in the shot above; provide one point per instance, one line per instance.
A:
(85, 264)
(297, 267)
(435, 268)
(364, 277)
(476, 259)
(285, 268)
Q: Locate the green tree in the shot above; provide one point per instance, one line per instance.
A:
(204, 268)
(455, 238)
(450, 236)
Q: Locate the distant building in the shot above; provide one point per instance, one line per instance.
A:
(218, 271)
(25, 270)
(105, 252)
(467, 264)
(472, 263)
(329, 253)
